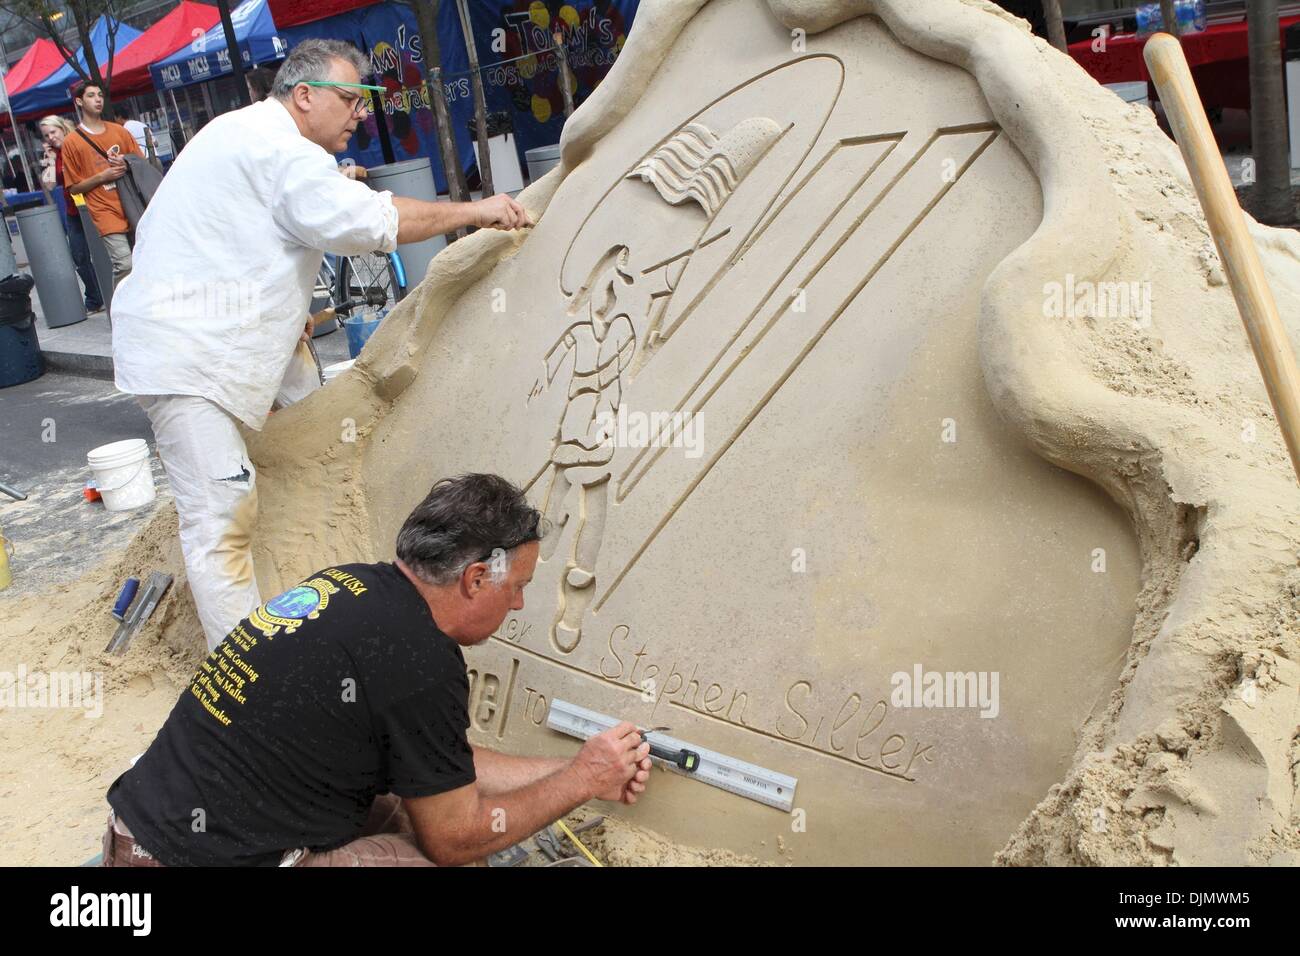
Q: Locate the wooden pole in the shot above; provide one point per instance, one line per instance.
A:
(1055, 26)
(1268, 337)
(1271, 193)
(480, 101)
(426, 18)
(564, 74)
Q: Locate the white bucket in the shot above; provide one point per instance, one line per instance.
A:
(122, 474)
(332, 372)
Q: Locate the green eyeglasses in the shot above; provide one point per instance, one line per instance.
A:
(358, 103)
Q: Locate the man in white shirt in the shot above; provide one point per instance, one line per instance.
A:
(226, 257)
(134, 127)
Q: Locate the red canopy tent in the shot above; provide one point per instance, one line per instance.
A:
(291, 13)
(130, 75)
(41, 59)
(1217, 55)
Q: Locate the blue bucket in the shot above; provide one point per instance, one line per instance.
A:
(359, 330)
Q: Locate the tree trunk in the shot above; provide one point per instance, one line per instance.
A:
(1055, 26)
(426, 17)
(564, 73)
(1268, 132)
(480, 102)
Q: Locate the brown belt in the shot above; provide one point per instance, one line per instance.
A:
(120, 848)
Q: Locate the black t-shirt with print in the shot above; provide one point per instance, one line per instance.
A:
(339, 689)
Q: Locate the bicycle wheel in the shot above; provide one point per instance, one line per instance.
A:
(372, 279)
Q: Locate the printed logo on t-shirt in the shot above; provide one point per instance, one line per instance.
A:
(224, 679)
(287, 611)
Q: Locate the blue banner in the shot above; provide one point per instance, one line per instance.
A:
(387, 33)
(208, 57)
(519, 69)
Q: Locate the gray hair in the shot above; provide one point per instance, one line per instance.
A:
(465, 520)
(311, 60)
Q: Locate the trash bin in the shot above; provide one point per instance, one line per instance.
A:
(20, 352)
(413, 178)
(50, 260)
(541, 160)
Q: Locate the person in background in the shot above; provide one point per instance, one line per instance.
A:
(134, 127)
(259, 80)
(54, 131)
(49, 157)
(88, 173)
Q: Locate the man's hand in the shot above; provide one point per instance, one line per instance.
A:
(615, 764)
(116, 170)
(635, 786)
(501, 212)
(305, 338)
(353, 171)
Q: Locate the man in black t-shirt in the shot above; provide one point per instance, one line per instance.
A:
(329, 727)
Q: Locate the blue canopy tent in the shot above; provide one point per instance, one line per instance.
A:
(208, 56)
(51, 94)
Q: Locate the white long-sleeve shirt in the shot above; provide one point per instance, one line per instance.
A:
(226, 258)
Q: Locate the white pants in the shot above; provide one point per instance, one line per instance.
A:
(215, 487)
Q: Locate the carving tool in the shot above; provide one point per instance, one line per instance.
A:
(687, 760)
(1267, 334)
(12, 492)
(143, 608)
(125, 598)
(717, 770)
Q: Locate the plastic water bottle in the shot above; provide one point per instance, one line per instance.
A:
(1149, 20)
(1190, 15)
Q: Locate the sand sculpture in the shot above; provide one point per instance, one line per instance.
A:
(858, 342)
